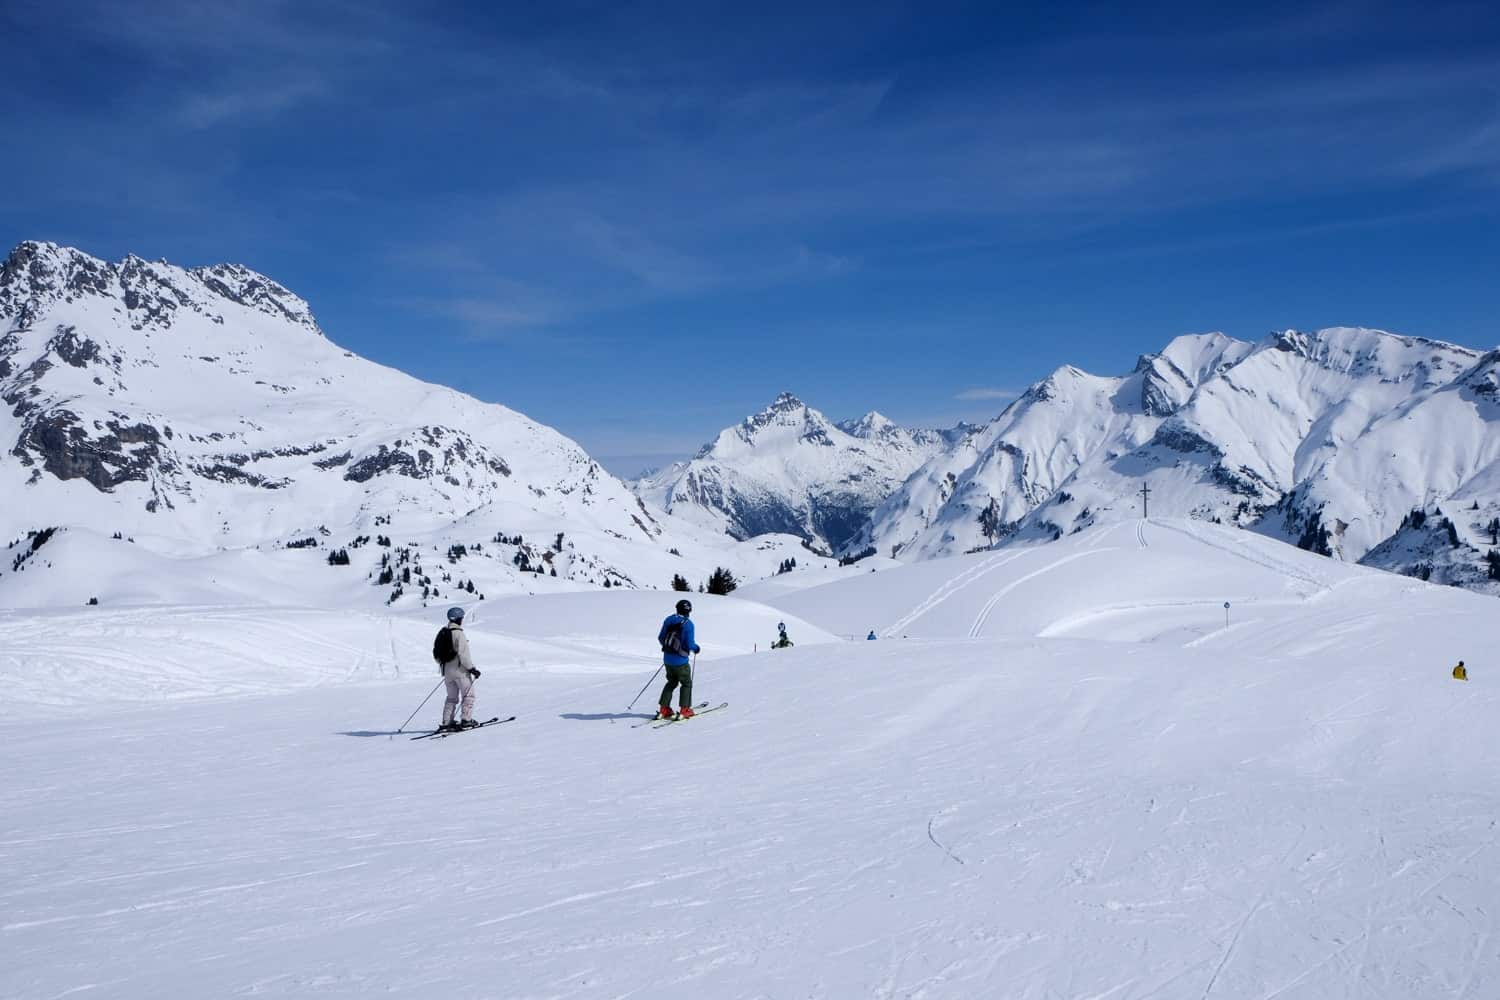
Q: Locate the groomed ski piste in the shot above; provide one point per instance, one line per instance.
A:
(1058, 773)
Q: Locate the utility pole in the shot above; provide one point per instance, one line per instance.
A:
(1145, 501)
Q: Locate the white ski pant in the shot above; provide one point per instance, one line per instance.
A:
(460, 689)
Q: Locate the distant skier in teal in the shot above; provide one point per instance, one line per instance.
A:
(677, 641)
(871, 636)
(783, 641)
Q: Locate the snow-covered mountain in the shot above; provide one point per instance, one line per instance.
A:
(789, 469)
(1328, 439)
(200, 411)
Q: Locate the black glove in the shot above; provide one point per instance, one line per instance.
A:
(474, 673)
(696, 650)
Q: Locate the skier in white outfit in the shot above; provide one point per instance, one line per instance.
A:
(459, 673)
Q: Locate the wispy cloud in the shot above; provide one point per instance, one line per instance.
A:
(634, 253)
(201, 111)
(498, 314)
(985, 393)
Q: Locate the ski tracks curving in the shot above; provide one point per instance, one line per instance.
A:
(984, 613)
(949, 588)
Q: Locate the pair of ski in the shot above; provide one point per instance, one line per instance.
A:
(438, 734)
(656, 722)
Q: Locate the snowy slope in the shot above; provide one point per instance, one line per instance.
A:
(789, 469)
(1439, 451)
(1178, 574)
(1324, 439)
(202, 411)
(83, 660)
(1102, 795)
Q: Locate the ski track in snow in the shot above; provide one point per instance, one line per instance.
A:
(977, 628)
(949, 588)
(1284, 568)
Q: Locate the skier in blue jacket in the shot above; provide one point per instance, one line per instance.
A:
(676, 638)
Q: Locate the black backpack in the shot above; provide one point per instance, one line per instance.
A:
(442, 646)
(671, 640)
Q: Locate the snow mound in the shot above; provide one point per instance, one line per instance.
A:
(1164, 579)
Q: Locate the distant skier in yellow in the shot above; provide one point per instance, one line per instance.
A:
(1460, 672)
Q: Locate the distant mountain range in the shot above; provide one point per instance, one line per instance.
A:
(1335, 440)
(202, 412)
(1328, 440)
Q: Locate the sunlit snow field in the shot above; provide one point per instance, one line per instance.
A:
(1057, 774)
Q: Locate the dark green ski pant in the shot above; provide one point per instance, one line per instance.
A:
(683, 676)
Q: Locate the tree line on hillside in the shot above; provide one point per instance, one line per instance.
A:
(721, 582)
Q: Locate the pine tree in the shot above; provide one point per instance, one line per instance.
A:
(722, 582)
(679, 582)
(989, 521)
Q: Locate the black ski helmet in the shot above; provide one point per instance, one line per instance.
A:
(684, 607)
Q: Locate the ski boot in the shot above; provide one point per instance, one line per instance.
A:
(467, 724)
(664, 713)
(687, 712)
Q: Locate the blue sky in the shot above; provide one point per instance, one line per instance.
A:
(638, 223)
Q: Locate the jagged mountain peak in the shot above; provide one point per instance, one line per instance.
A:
(1365, 352)
(872, 425)
(37, 275)
(789, 469)
(1060, 382)
(786, 420)
(1191, 351)
(1484, 378)
(1169, 377)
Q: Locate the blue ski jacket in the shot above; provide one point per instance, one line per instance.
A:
(672, 659)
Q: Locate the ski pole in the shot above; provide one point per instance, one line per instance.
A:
(643, 690)
(413, 715)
